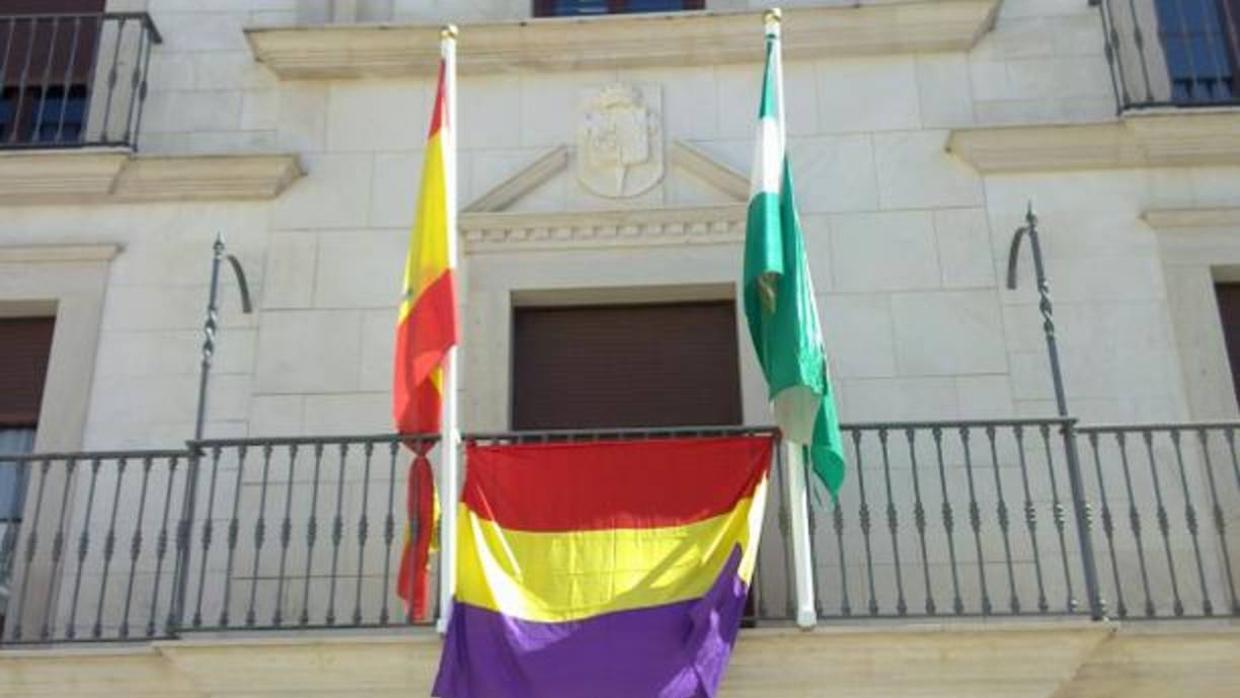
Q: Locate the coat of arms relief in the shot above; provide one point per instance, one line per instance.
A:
(619, 142)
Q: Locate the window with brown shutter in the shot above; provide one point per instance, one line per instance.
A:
(670, 364)
(25, 344)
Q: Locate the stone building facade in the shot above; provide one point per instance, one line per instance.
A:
(920, 131)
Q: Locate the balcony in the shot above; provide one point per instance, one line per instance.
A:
(1173, 53)
(73, 80)
(938, 521)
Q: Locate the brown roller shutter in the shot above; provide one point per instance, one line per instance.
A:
(25, 344)
(625, 366)
(48, 47)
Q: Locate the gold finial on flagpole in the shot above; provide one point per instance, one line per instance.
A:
(773, 16)
(448, 32)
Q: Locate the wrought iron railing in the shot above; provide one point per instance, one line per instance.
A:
(1172, 53)
(983, 518)
(74, 80)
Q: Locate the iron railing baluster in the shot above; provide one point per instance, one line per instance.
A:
(286, 537)
(1190, 521)
(1220, 525)
(234, 534)
(113, 75)
(1108, 528)
(135, 545)
(919, 520)
(260, 534)
(389, 528)
(1060, 519)
(1031, 518)
(20, 102)
(312, 533)
(109, 547)
(46, 80)
(893, 526)
(837, 523)
(1134, 523)
(863, 515)
(47, 630)
(1001, 513)
(1164, 524)
(161, 550)
(949, 522)
(32, 542)
(66, 86)
(208, 528)
(83, 548)
(338, 530)
(363, 532)
(975, 521)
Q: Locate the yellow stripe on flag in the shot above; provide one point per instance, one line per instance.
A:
(579, 574)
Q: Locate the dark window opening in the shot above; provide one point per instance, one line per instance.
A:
(1199, 39)
(578, 8)
(54, 115)
(600, 367)
(47, 55)
(1228, 296)
(25, 346)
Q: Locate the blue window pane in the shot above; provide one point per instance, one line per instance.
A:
(571, 8)
(6, 116)
(12, 476)
(1193, 41)
(60, 116)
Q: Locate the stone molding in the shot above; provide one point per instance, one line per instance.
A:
(1182, 139)
(529, 178)
(119, 176)
(622, 41)
(543, 168)
(1204, 217)
(1059, 659)
(58, 253)
(502, 232)
(710, 170)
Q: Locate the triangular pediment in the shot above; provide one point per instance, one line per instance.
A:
(549, 182)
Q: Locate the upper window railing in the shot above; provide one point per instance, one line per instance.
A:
(1173, 53)
(73, 80)
(586, 8)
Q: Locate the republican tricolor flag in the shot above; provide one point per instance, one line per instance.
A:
(426, 330)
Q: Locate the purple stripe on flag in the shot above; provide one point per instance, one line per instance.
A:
(677, 650)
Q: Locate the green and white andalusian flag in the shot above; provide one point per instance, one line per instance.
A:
(779, 294)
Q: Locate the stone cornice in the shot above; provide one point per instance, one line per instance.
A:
(622, 41)
(111, 176)
(502, 232)
(57, 253)
(1204, 217)
(1182, 139)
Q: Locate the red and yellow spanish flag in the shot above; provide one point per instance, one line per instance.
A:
(426, 329)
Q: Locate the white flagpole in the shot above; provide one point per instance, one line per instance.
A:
(794, 460)
(450, 438)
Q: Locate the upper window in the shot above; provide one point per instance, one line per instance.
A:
(575, 8)
(1200, 48)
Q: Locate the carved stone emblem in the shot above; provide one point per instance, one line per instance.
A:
(619, 143)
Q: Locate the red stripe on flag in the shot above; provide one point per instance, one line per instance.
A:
(439, 114)
(641, 484)
(412, 580)
(423, 337)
